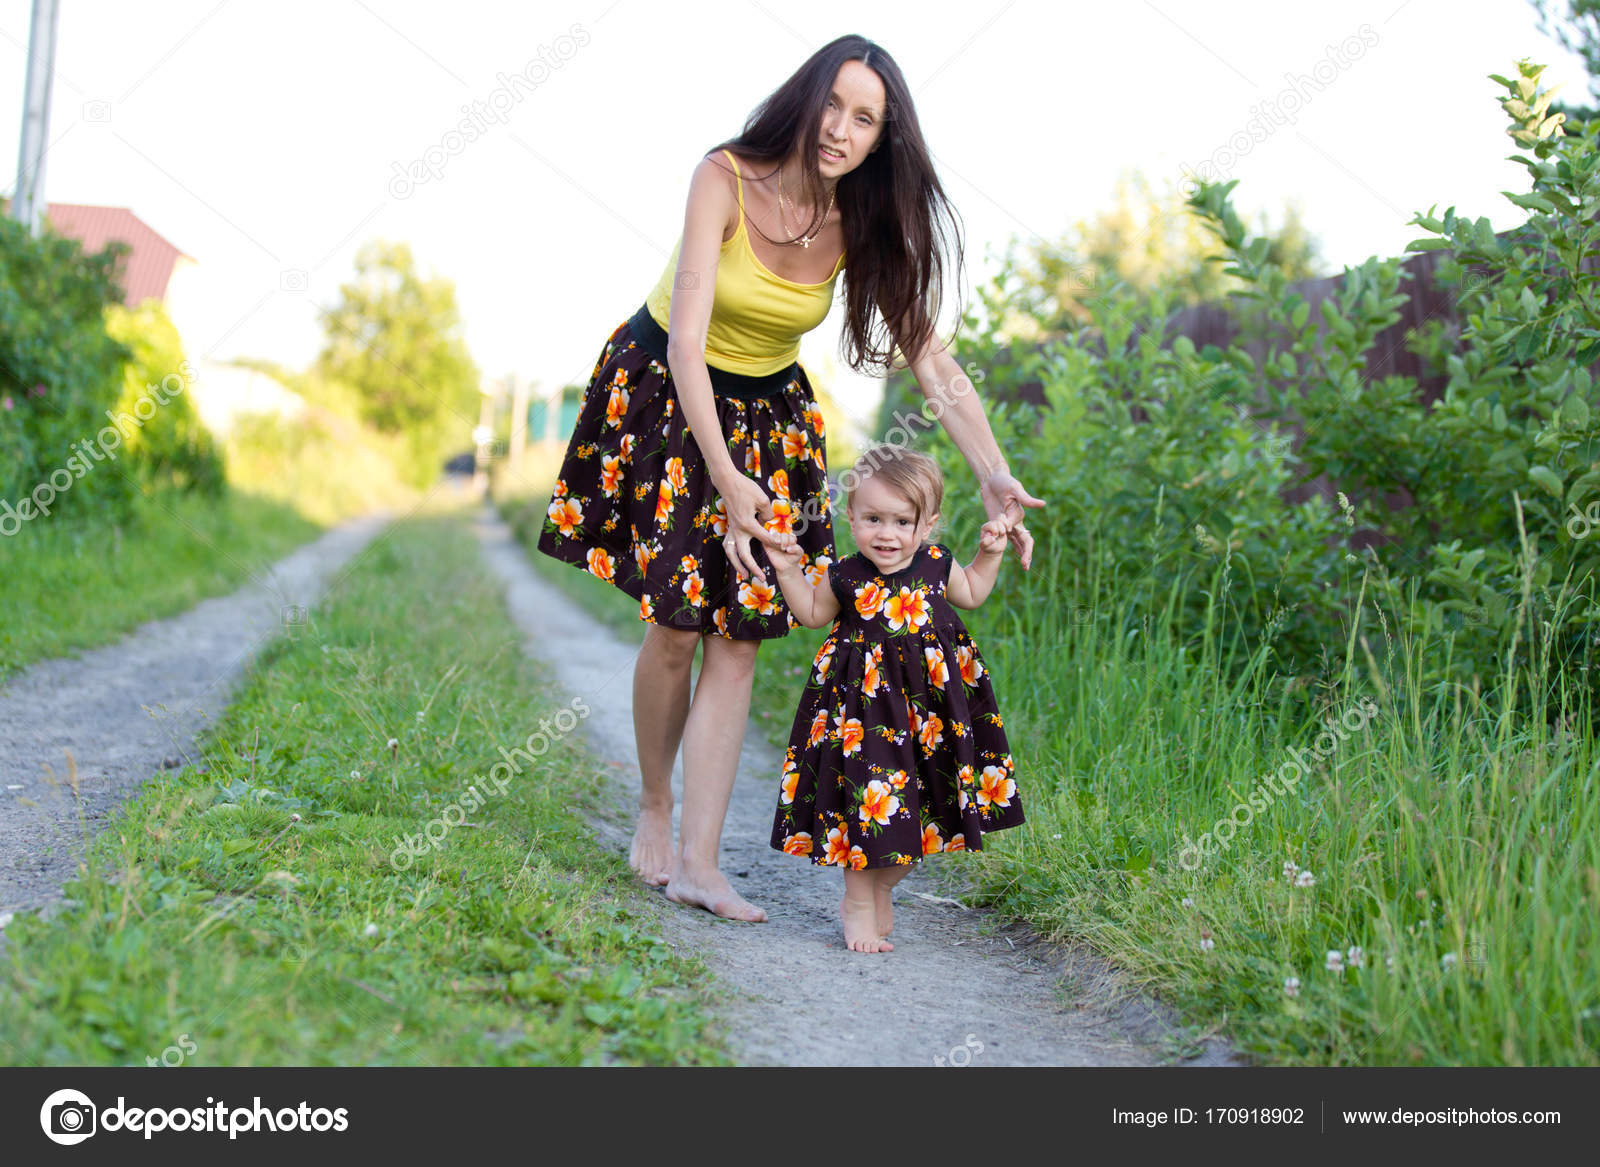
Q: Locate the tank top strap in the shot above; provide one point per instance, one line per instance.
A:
(738, 179)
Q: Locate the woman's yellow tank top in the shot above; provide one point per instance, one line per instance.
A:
(757, 318)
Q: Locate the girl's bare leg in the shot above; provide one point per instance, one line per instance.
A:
(712, 736)
(858, 910)
(660, 705)
(883, 904)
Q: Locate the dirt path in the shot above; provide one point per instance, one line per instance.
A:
(128, 709)
(958, 986)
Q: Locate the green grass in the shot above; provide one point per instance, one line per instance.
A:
(211, 926)
(1447, 825)
(74, 585)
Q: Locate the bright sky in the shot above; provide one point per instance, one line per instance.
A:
(262, 136)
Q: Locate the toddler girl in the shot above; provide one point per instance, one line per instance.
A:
(897, 748)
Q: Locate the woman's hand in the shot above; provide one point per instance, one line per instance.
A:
(1002, 494)
(748, 508)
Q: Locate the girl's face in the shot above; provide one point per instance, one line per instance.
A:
(883, 526)
(852, 120)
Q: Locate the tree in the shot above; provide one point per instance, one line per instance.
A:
(1146, 240)
(1577, 29)
(394, 339)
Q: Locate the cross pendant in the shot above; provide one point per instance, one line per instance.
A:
(805, 243)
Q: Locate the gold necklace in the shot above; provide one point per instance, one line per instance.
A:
(804, 240)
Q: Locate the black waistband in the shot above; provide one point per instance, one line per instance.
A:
(651, 337)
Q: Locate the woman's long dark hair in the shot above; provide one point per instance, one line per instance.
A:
(898, 224)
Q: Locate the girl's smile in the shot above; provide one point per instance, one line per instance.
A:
(885, 525)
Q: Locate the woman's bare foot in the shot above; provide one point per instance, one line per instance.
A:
(860, 917)
(651, 855)
(712, 891)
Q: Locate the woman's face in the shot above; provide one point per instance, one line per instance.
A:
(852, 120)
(884, 525)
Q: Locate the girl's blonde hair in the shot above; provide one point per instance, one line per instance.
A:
(915, 476)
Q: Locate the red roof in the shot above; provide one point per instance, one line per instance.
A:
(146, 269)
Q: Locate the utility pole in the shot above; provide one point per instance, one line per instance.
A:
(28, 204)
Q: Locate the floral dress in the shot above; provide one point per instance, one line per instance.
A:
(898, 749)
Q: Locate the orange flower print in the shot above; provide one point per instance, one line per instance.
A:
(646, 609)
(689, 563)
(663, 503)
(719, 522)
(938, 672)
(958, 843)
(851, 734)
(814, 418)
(795, 443)
(934, 551)
(610, 475)
(782, 521)
(600, 563)
(799, 844)
(820, 458)
(567, 515)
(838, 851)
(720, 619)
(858, 859)
(969, 664)
(617, 406)
(675, 475)
(869, 600)
(642, 554)
(757, 596)
(995, 788)
(878, 803)
(819, 728)
(932, 840)
(561, 488)
(965, 778)
(899, 779)
(909, 609)
(619, 379)
(752, 459)
(870, 676)
(930, 734)
(627, 447)
(823, 659)
(817, 569)
(694, 589)
(1010, 765)
(779, 483)
(791, 782)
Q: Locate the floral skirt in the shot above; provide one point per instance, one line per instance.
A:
(634, 504)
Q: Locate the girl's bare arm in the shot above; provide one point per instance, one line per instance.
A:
(970, 586)
(813, 605)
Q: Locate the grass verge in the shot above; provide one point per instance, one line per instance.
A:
(270, 911)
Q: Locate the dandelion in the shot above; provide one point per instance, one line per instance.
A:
(355, 775)
(1335, 961)
(294, 818)
(1291, 986)
(371, 930)
(1448, 961)
(394, 743)
(1355, 957)
(1290, 869)
(1305, 879)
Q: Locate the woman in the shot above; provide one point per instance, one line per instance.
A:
(831, 165)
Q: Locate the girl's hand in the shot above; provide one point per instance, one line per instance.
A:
(748, 508)
(992, 536)
(1002, 494)
(788, 558)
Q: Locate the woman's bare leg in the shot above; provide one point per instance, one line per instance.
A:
(712, 736)
(883, 888)
(660, 705)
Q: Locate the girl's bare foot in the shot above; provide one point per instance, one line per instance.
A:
(651, 855)
(859, 913)
(712, 891)
(883, 903)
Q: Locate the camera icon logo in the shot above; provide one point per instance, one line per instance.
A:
(68, 1117)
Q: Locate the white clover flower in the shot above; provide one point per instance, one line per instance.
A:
(1335, 961)
(1188, 902)
(1355, 957)
(1305, 879)
(1448, 961)
(1291, 986)
(356, 775)
(1290, 869)
(1207, 944)
(371, 930)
